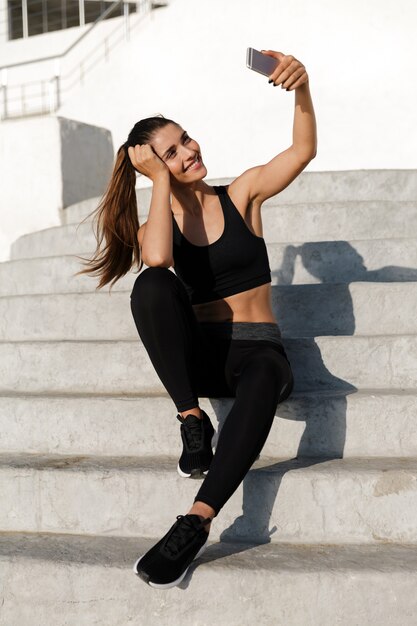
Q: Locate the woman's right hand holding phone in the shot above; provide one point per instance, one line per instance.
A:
(147, 162)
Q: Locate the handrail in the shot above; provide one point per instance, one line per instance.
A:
(77, 41)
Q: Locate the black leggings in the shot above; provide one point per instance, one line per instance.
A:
(191, 361)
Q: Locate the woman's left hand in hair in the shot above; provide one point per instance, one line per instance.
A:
(290, 73)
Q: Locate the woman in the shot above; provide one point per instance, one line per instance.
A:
(208, 328)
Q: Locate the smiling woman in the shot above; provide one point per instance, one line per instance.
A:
(208, 327)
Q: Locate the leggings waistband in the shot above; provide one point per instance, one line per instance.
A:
(244, 330)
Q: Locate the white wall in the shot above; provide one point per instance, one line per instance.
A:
(189, 64)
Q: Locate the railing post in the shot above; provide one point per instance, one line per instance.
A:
(25, 18)
(57, 71)
(81, 12)
(126, 16)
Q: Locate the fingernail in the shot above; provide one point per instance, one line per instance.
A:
(270, 80)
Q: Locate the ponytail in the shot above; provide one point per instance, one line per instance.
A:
(116, 217)
(116, 221)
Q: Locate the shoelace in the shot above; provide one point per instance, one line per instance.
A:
(193, 433)
(180, 536)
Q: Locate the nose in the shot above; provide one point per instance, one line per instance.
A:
(189, 152)
(189, 155)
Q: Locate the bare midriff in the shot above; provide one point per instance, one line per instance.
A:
(253, 305)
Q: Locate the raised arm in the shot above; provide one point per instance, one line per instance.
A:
(155, 236)
(265, 181)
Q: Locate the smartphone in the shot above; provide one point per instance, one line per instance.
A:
(259, 62)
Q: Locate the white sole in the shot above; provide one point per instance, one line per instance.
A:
(174, 583)
(184, 475)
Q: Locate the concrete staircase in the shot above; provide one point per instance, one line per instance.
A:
(323, 529)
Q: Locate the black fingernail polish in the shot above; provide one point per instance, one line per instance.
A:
(270, 81)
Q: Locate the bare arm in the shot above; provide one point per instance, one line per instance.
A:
(304, 135)
(156, 245)
(264, 181)
(155, 239)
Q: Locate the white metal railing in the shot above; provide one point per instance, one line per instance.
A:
(44, 95)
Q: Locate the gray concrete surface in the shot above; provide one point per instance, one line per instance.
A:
(325, 362)
(370, 422)
(299, 263)
(345, 186)
(362, 308)
(48, 163)
(290, 500)
(281, 224)
(325, 518)
(71, 580)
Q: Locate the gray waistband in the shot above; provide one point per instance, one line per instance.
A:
(244, 330)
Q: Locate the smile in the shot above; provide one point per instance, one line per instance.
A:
(195, 165)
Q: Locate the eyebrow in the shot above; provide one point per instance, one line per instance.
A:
(170, 148)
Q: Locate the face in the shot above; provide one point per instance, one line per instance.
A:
(179, 151)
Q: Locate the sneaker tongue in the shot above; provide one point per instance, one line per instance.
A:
(183, 533)
(192, 429)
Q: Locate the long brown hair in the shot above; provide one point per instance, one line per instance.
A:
(116, 218)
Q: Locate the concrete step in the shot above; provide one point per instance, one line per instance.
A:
(378, 260)
(281, 224)
(75, 213)
(303, 500)
(71, 581)
(302, 311)
(308, 187)
(53, 274)
(344, 363)
(366, 423)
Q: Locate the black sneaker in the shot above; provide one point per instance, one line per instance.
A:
(167, 562)
(197, 453)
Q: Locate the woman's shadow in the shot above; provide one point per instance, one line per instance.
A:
(319, 398)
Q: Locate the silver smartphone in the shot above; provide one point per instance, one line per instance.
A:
(259, 62)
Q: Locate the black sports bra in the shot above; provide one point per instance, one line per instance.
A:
(236, 262)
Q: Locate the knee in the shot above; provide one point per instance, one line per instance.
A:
(152, 282)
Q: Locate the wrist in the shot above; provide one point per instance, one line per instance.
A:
(303, 87)
(161, 178)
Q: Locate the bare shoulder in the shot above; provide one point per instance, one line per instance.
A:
(261, 182)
